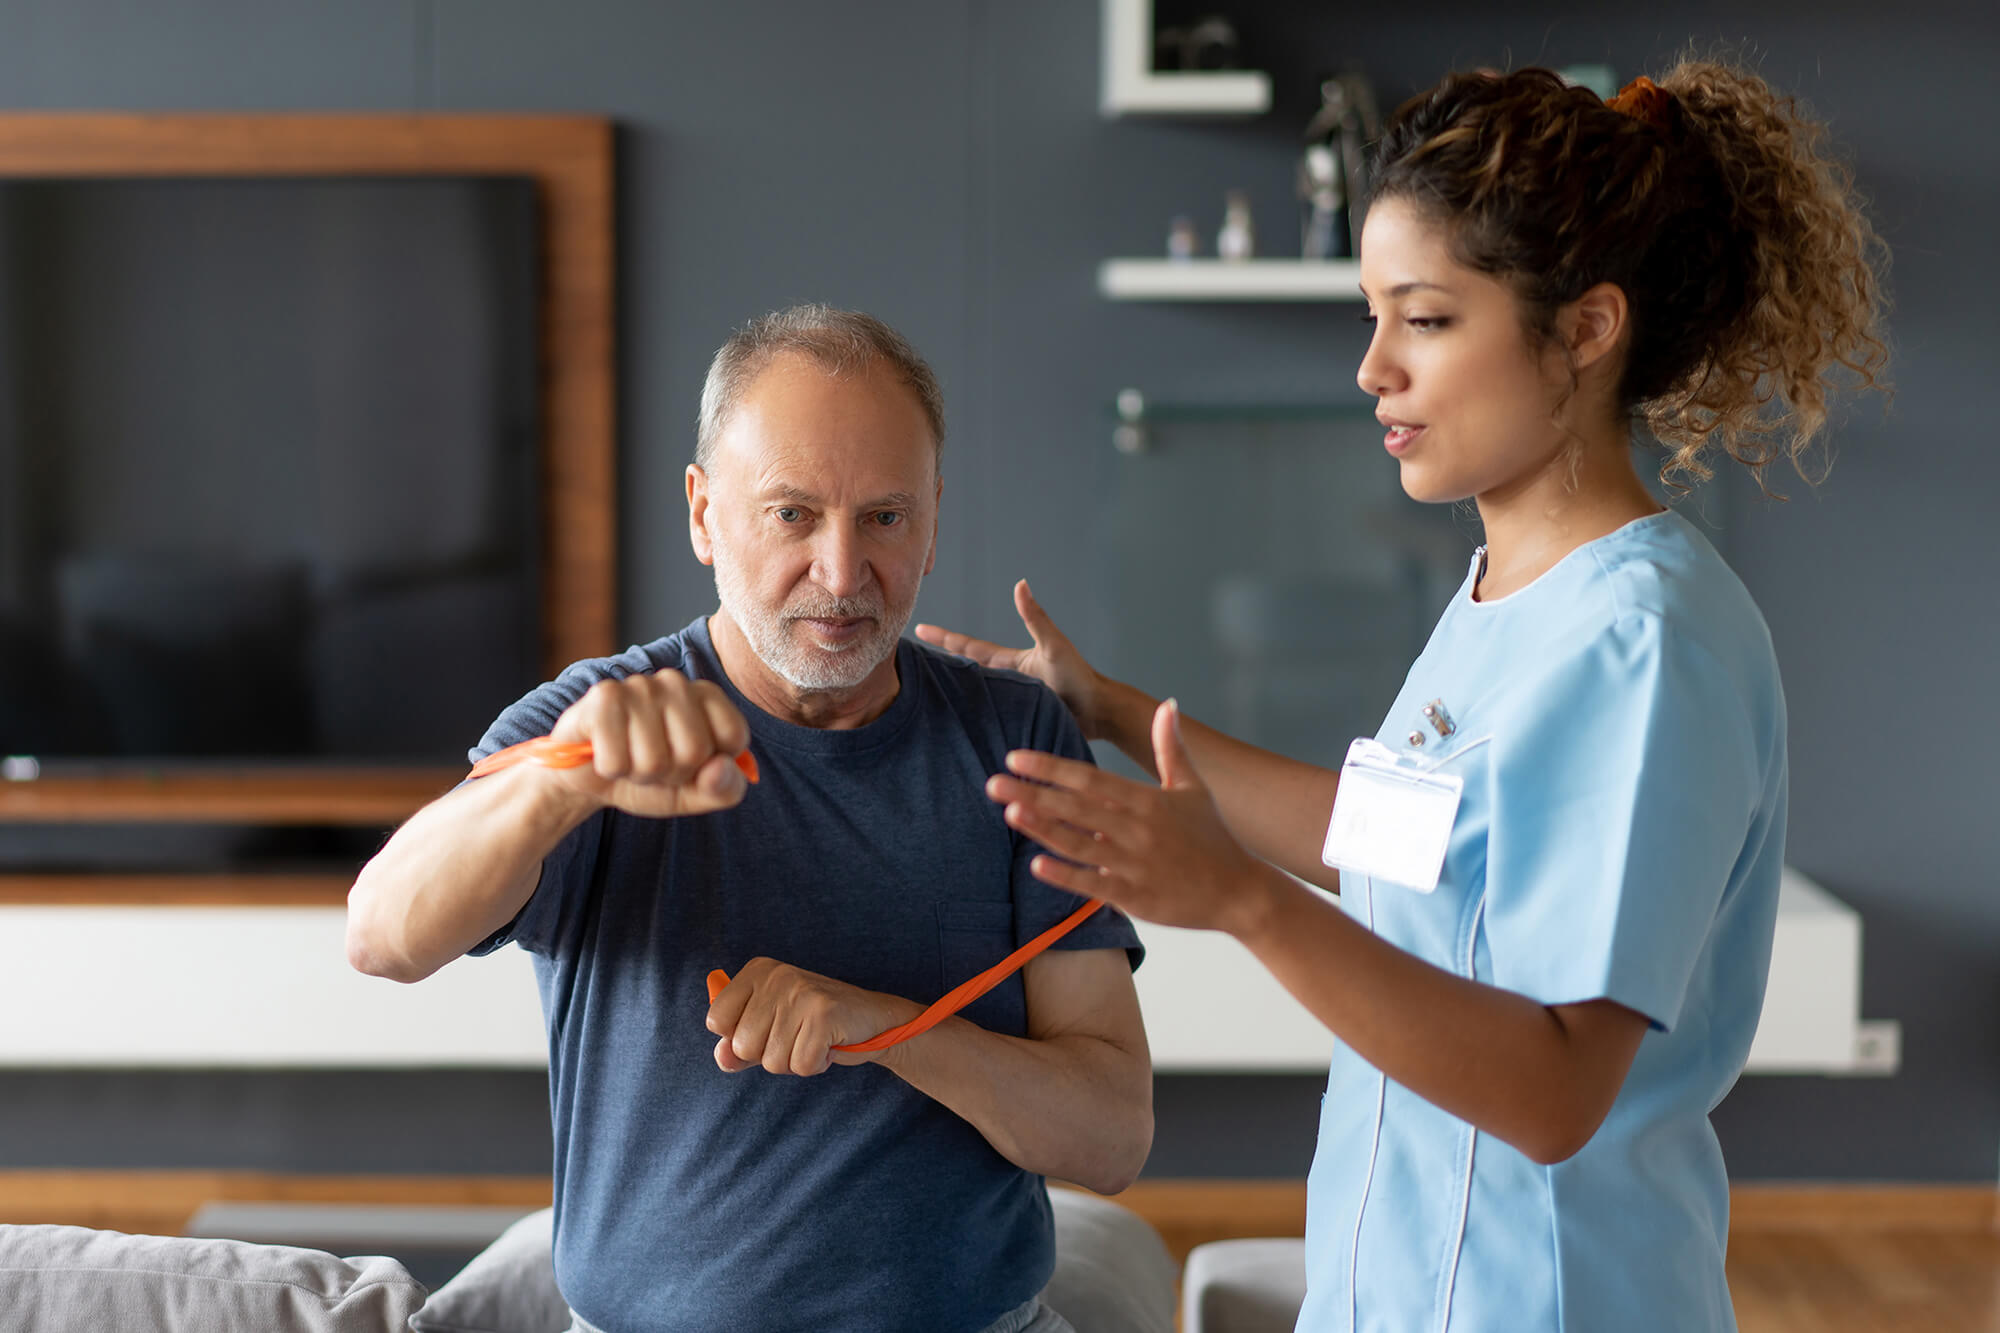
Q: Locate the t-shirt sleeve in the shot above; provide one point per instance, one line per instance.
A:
(568, 869)
(1040, 904)
(1622, 799)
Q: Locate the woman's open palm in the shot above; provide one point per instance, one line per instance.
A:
(1053, 659)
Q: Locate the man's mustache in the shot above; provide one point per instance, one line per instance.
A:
(835, 608)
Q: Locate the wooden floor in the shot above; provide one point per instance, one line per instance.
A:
(1802, 1259)
(1866, 1281)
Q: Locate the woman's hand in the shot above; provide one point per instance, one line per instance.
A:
(1160, 853)
(1054, 660)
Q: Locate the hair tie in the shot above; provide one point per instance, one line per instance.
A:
(1644, 100)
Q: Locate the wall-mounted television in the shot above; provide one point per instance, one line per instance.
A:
(268, 467)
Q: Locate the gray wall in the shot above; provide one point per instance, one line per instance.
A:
(941, 163)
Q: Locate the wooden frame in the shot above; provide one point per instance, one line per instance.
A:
(570, 160)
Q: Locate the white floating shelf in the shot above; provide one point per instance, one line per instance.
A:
(1230, 280)
(1131, 87)
(1221, 93)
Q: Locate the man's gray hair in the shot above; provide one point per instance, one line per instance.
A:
(840, 342)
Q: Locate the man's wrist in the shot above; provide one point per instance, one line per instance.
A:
(895, 1058)
(551, 799)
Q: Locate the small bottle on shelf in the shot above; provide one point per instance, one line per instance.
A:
(1237, 240)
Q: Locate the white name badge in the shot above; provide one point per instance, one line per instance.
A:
(1391, 821)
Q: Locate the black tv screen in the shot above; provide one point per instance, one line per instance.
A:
(268, 467)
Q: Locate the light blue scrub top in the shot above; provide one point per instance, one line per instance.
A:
(1621, 733)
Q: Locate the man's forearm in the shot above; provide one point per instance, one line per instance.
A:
(461, 868)
(1077, 1107)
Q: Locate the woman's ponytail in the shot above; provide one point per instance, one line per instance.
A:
(1812, 267)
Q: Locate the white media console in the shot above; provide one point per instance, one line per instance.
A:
(189, 986)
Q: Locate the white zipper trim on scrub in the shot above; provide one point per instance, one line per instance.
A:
(1471, 1149)
(1374, 1150)
(1381, 1096)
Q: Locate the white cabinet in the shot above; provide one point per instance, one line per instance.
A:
(103, 986)
(1209, 1006)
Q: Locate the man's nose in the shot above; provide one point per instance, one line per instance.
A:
(839, 564)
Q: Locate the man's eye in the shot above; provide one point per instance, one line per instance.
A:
(888, 518)
(787, 514)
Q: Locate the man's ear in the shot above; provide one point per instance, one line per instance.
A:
(1592, 325)
(697, 493)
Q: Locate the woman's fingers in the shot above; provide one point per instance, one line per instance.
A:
(1077, 776)
(1078, 844)
(1040, 628)
(982, 651)
(1058, 805)
(1083, 881)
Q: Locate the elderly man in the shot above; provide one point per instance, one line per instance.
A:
(776, 1182)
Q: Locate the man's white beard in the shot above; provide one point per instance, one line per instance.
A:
(790, 650)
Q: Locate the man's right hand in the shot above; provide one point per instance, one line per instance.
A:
(1054, 661)
(661, 745)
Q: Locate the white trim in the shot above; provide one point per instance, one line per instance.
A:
(1374, 1150)
(1471, 1142)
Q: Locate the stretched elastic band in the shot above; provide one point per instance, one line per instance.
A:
(552, 753)
(959, 996)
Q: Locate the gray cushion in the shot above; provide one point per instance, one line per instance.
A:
(510, 1287)
(75, 1280)
(1243, 1286)
(1113, 1273)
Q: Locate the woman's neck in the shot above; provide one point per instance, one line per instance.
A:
(1535, 522)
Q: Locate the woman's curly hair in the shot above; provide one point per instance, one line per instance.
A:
(1753, 279)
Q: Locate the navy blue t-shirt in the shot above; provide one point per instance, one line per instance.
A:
(691, 1199)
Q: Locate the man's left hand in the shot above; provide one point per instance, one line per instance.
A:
(789, 1020)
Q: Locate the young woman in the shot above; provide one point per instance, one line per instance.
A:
(1563, 846)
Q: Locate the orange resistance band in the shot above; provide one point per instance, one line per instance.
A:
(551, 753)
(959, 996)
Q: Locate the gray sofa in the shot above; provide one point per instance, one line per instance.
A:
(1113, 1275)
